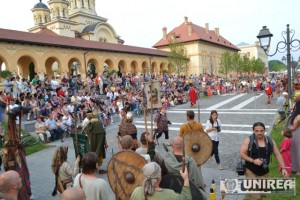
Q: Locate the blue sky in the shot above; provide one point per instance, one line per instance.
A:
(140, 22)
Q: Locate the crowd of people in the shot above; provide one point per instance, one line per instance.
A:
(58, 103)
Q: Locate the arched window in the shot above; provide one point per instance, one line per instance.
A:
(89, 4)
(82, 3)
(40, 19)
(57, 12)
(64, 14)
(75, 3)
(46, 19)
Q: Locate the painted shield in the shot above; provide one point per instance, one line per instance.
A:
(175, 182)
(198, 145)
(124, 173)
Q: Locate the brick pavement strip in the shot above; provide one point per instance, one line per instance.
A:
(42, 179)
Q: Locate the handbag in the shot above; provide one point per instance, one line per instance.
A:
(240, 168)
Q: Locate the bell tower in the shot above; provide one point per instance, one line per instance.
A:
(83, 6)
(59, 9)
(41, 14)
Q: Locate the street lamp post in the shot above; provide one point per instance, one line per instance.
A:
(264, 37)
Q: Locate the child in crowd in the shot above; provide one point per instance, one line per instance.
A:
(285, 151)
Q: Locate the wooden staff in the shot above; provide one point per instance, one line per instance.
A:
(145, 114)
(198, 112)
(76, 133)
(183, 156)
(151, 90)
(119, 143)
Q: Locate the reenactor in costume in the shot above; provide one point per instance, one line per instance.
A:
(13, 153)
(96, 138)
(193, 96)
(127, 128)
(191, 125)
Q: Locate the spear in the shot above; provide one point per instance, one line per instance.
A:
(145, 113)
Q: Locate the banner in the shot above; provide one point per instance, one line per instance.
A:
(283, 186)
(153, 95)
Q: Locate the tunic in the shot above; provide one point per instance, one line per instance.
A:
(94, 188)
(165, 194)
(193, 96)
(162, 122)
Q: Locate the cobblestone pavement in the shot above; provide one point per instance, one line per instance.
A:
(237, 118)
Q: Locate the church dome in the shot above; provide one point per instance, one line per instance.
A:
(41, 5)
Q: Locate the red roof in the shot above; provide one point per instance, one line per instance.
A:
(67, 42)
(48, 32)
(198, 34)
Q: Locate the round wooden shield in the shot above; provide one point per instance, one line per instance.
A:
(175, 182)
(124, 173)
(198, 145)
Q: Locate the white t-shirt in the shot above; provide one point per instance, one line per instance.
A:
(214, 135)
(66, 121)
(54, 84)
(120, 105)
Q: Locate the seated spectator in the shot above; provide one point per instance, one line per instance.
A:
(52, 127)
(44, 112)
(64, 172)
(26, 105)
(35, 107)
(66, 121)
(94, 188)
(40, 129)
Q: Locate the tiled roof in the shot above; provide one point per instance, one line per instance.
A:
(48, 32)
(198, 34)
(67, 42)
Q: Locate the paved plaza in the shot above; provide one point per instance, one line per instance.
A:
(237, 113)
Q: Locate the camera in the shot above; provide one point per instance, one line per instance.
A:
(218, 128)
(264, 164)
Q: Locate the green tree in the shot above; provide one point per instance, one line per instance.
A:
(226, 63)
(246, 65)
(178, 57)
(276, 66)
(236, 62)
(258, 66)
(6, 73)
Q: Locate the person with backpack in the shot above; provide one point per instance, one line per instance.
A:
(256, 150)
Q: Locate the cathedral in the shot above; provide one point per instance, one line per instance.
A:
(73, 18)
